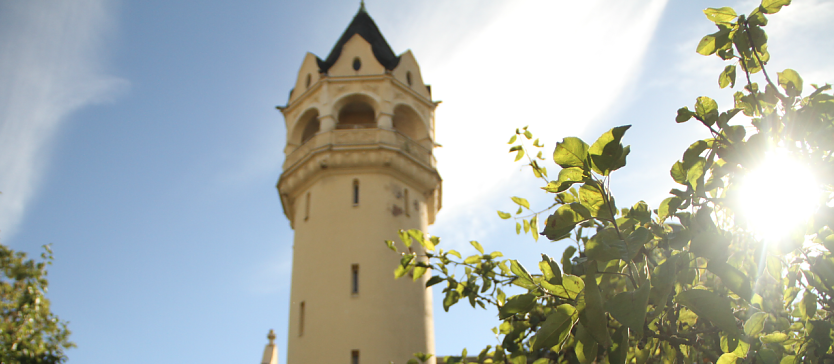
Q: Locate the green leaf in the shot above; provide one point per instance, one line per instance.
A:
(504, 215)
(567, 177)
(728, 77)
(473, 259)
(571, 152)
(550, 270)
(720, 15)
(592, 198)
(585, 346)
(521, 202)
(605, 246)
(522, 303)
(755, 324)
(668, 207)
(710, 306)
(607, 150)
(519, 155)
(808, 305)
(528, 134)
(727, 358)
(418, 272)
(566, 256)
(711, 43)
(523, 278)
(684, 114)
(695, 174)
(555, 328)
(774, 338)
(629, 308)
(452, 297)
(405, 237)
(434, 280)
(734, 279)
(820, 332)
(512, 139)
(790, 81)
(678, 173)
(597, 322)
(773, 6)
(618, 352)
(706, 110)
(390, 244)
(757, 18)
(477, 246)
(455, 253)
(564, 219)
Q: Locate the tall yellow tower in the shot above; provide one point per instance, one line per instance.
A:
(359, 166)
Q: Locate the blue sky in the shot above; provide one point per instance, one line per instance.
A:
(140, 139)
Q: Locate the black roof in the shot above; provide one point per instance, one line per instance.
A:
(363, 25)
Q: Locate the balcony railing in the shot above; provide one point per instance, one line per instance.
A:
(359, 137)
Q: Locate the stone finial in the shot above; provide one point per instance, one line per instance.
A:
(270, 351)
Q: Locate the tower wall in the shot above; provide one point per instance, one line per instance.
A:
(385, 319)
(368, 131)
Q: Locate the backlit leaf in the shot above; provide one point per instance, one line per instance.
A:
(629, 308)
(555, 328)
(734, 279)
(720, 15)
(597, 322)
(571, 152)
(755, 324)
(710, 306)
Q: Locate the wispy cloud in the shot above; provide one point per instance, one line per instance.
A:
(537, 63)
(51, 60)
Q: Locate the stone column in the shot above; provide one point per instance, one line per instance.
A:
(385, 121)
(326, 123)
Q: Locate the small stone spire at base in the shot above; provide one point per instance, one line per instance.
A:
(270, 351)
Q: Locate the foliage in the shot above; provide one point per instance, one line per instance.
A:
(687, 281)
(29, 332)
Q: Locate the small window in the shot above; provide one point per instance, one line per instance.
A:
(301, 319)
(310, 79)
(355, 192)
(307, 207)
(408, 77)
(357, 64)
(354, 279)
(354, 357)
(405, 197)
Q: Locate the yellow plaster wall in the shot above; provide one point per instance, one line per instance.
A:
(388, 320)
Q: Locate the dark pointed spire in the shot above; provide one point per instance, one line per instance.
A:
(363, 25)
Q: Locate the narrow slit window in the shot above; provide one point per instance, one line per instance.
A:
(405, 196)
(354, 279)
(355, 192)
(301, 319)
(307, 207)
(354, 357)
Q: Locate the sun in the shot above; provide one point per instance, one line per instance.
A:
(778, 195)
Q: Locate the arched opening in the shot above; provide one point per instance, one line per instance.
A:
(357, 113)
(309, 80)
(357, 64)
(306, 127)
(408, 77)
(310, 130)
(408, 122)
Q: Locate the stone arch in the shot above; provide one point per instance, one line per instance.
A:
(356, 111)
(407, 121)
(306, 126)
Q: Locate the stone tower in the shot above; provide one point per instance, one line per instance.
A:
(359, 167)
